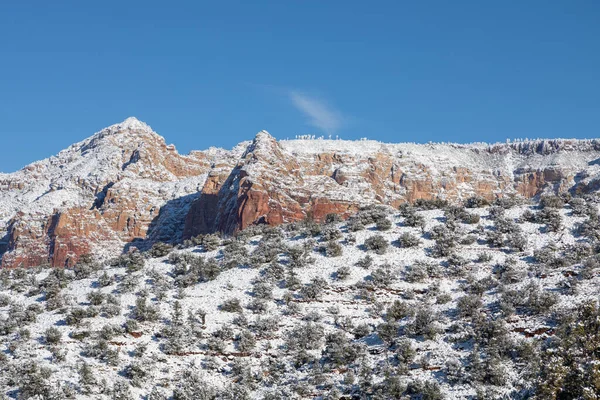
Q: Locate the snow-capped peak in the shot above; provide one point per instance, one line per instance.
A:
(132, 123)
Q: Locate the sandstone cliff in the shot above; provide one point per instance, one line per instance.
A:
(124, 186)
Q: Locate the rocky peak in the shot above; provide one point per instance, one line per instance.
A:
(125, 187)
(264, 146)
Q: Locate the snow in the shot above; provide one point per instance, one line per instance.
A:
(238, 282)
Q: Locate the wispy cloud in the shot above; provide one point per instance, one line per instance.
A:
(320, 114)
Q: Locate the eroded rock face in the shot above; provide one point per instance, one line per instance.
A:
(125, 187)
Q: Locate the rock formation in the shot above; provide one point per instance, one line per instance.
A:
(125, 187)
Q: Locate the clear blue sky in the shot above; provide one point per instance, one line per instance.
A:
(214, 73)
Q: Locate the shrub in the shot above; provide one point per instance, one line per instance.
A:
(314, 290)
(430, 204)
(331, 233)
(192, 387)
(408, 240)
(476, 202)
(424, 323)
(551, 201)
(132, 261)
(333, 249)
(246, 341)
(332, 218)
(210, 242)
(342, 273)
(414, 220)
(232, 305)
(366, 262)
(551, 218)
(160, 249)
(384, 224)
(339, 350)
(377, 243)
(398, 310)
(305, 336)
(383, 276)
(53, 335)
(145, 311)
(263, 290)
(469, 305)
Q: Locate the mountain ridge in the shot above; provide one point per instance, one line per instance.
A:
(129, 188)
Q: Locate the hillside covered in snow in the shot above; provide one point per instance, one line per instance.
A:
(434, 300)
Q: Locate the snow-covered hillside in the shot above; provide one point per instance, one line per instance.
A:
(426, 302)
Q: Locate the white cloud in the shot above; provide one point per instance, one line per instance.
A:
(320, 115)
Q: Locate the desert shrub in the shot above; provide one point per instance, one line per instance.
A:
(550, 201)
(160, 249)
(416, 273)
(589, 267)
(517, 241)
(507, 202)
(424, 323)
(476, 202)
(33, 382)
(551, 218)
(232, 305)
(388, 331)
(78, 314)
(468, 239)
(53, 335)
(246, 341)
(333, 249)
(366, 262)
(589, 228)
(105, 280)
(210, 242)
(484, 257)
(384, 224)
(398, 310)
(377, 243)
(430, 204)
(414, 220)
(332, 218)
(274, 271)
(568, 367)
(258, 306)
(355, 225)
(330, 232)
(132, 261)
(136, 372)
(408, 240)
(427, 390)
(339, 350)
(145, 311)
(531, 299)
(494, 238)
(469, 305)
(96, 297)
(101, 350)
(234, 254)
(263, 290)
(304, 336)
(315, 289)
(442, 248)
(5, 300)
(579, 206)
(192, 386)
(383, 276)
(495, 212)
(342, 273)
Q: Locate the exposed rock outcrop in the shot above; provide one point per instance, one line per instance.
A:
(125, 187)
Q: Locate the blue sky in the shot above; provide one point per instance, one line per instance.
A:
(215, 73)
